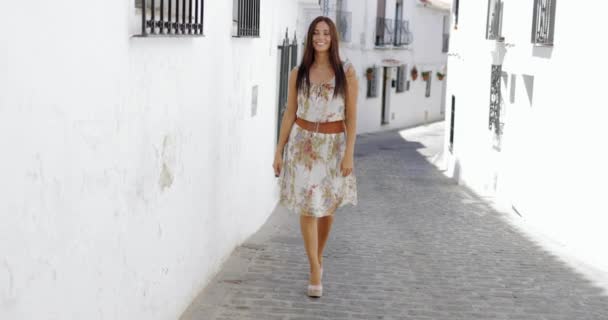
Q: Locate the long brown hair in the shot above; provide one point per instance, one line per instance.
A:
(303, 80)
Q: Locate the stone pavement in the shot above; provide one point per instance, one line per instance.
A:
(417, 246)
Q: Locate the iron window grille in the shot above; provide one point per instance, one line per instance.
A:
(427, 92)
(246, 18)
(401, 78)
(543, 22)
(171, 17)
(403, 36)
(445, 43)
(289, 58)
(384, 31)
(344, 25)
(456, 7)
(452, 118)
(494, 20)
(372, 84)
(343, 21)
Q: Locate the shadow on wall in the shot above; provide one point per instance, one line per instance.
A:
(542, 52)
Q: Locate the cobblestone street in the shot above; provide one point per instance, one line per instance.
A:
(417, 246)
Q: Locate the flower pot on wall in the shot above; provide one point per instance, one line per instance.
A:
(414, 73)
(426, 75)
(440, 76)
(369, 74)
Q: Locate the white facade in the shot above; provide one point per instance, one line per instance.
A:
(131, 167)
(550, 165)
(402, 109)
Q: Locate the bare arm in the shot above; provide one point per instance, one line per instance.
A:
(351, 111)
(289, 117)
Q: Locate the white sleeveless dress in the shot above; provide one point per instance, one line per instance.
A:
(311, 182)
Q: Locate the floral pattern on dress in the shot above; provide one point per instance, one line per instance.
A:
(311, 182)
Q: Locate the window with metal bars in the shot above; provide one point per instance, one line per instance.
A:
(246, 18)
(427, 92)
(494, 20)
(445, 43)
(543, 22)
(401, 78)
(372, 82)
(456, 6)
(171, 17)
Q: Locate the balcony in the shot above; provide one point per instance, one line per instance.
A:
(391, 32)
(403, 36)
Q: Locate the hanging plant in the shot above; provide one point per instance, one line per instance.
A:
(426, 75)
(414, 73)
(369, 73)
(440, 75)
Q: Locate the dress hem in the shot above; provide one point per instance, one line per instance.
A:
(293, 210)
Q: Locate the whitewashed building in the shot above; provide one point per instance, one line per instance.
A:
(132, 165)
(525, 116)
(390, 38)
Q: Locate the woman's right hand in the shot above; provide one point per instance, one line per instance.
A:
(277, 164)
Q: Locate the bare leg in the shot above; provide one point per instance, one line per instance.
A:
(323, 228)
(308, 226)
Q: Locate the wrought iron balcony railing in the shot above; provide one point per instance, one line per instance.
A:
(393, 32)
(384, 31)
(403, 36)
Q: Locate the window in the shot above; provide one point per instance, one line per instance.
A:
(445, 44)
(343, 21)
(494, 20)
(452, 117)
(171, 17)
(456, 14)
(543, 22)
(372, 82)
(427, 92)
(401, 78)
(246, 18)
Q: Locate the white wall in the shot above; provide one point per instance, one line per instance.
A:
(131, 166)
(552, 163)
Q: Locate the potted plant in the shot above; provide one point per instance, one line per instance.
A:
(426, 75)
(369, 73)
(414, 73)
(440, 75)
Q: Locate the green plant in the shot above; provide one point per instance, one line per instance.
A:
(426, 75)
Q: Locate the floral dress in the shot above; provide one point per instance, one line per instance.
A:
(311, 181)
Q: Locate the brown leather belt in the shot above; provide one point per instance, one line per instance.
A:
(322, 127)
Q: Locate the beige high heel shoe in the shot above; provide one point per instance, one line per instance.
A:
(315, 291)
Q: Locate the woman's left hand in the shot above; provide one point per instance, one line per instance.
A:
(346, 167)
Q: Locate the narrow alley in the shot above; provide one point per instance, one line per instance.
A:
(417, 246)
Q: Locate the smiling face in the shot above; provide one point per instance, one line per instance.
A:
(321, 37)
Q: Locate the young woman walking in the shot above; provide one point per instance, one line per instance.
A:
(314, 157)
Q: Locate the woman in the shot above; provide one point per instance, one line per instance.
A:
(316, 174)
